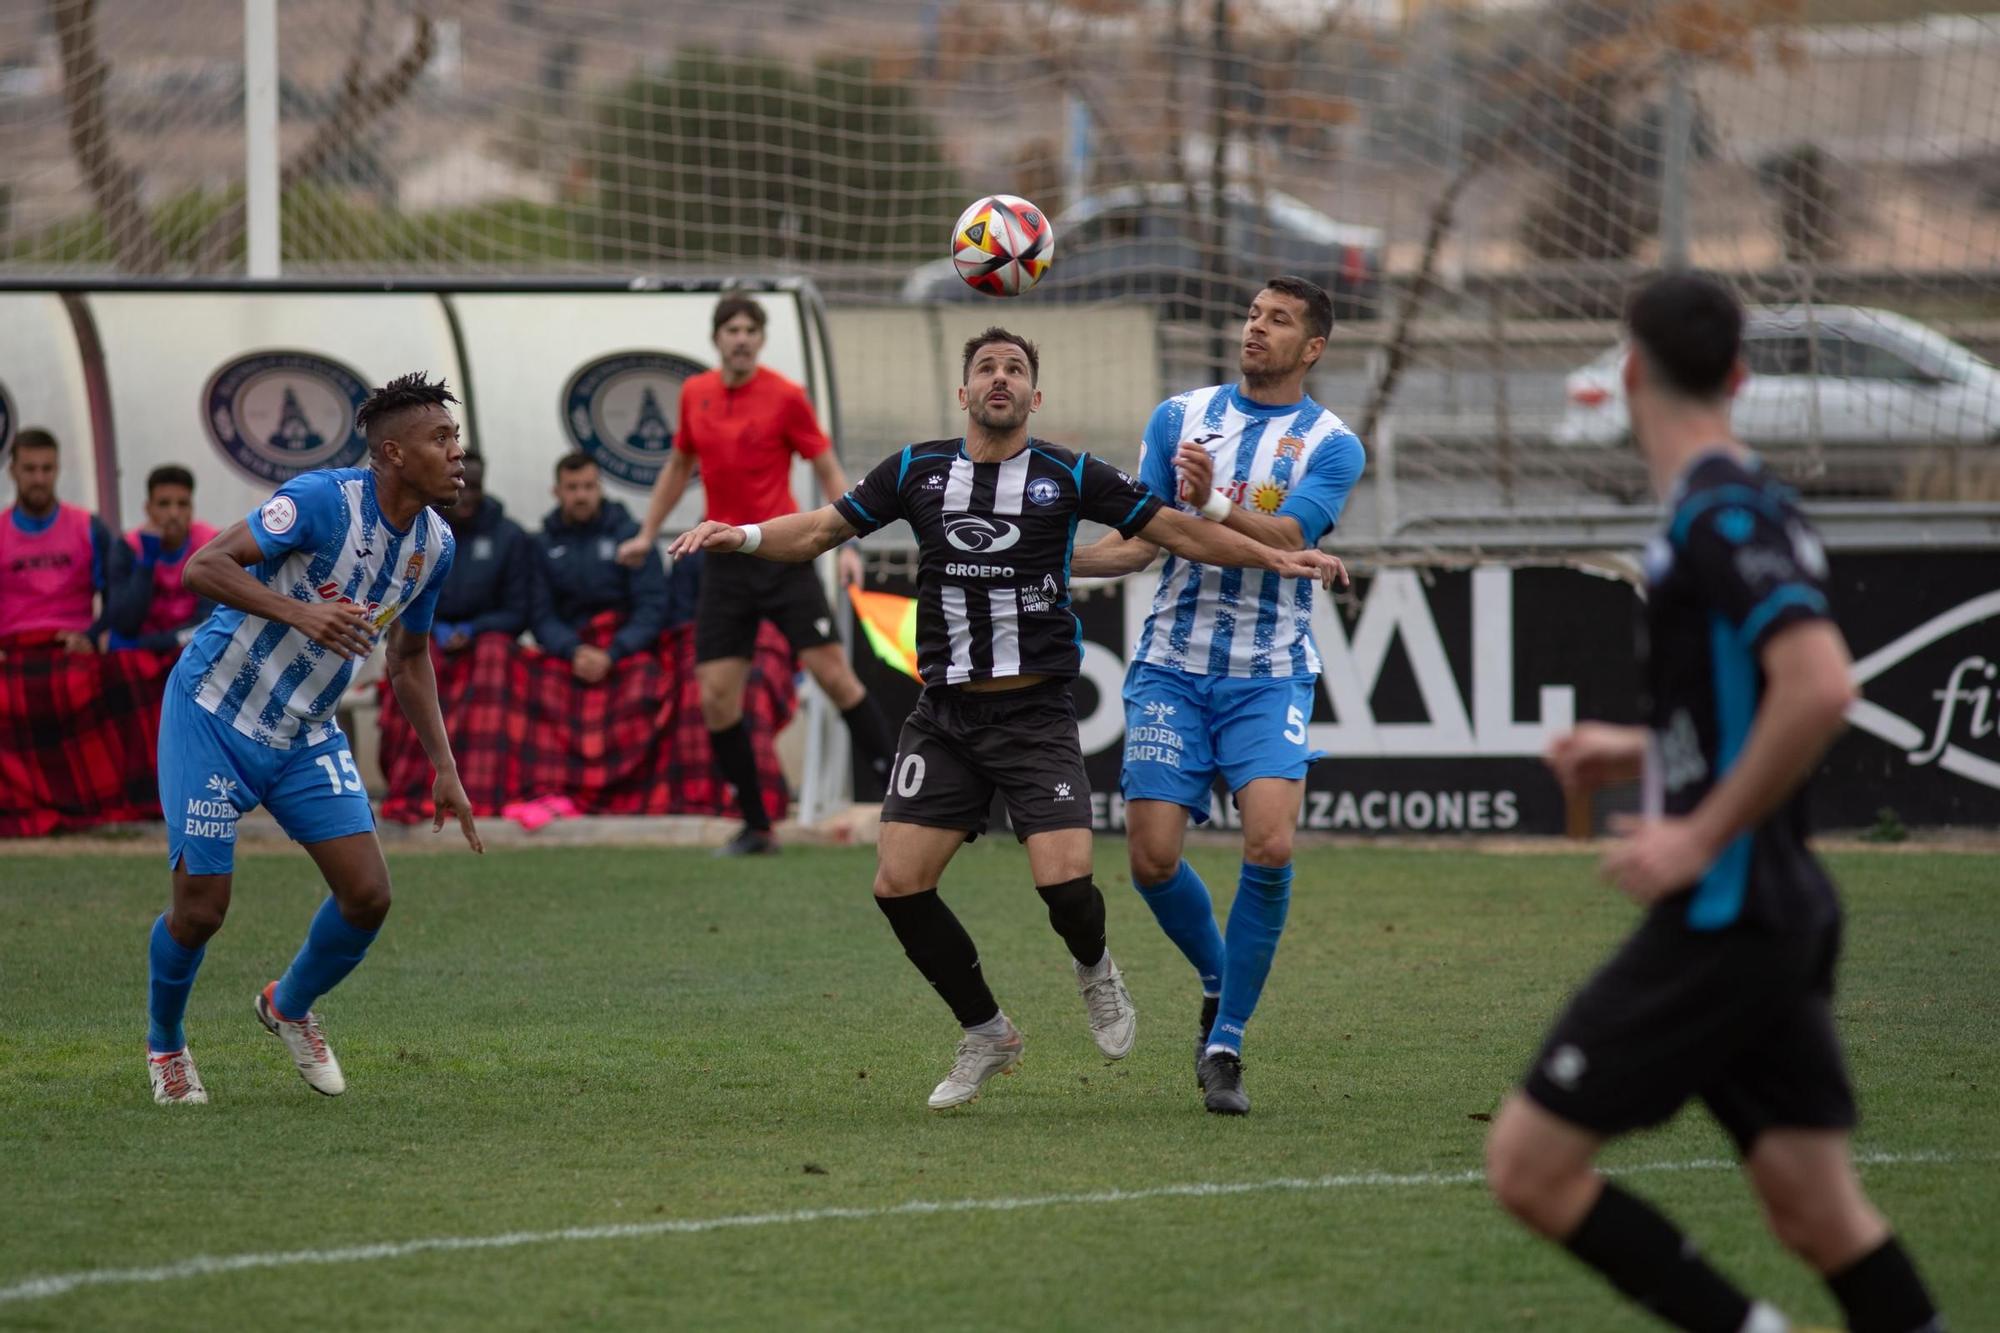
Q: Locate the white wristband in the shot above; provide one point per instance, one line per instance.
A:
(1216, 507)
(753, 537)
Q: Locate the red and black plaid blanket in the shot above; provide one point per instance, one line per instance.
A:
(79, 737)
(523, 726)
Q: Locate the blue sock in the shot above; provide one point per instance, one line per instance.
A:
(170, 977)
(1256, 919)
(1184, 910)
(331, 950)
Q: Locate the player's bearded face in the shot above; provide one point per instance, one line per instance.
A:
(1274, 337)
(739, 342)
(998, 393)
(34, 473)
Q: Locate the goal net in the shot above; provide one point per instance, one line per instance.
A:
(1476, 185)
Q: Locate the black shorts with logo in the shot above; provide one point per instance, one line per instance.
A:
(1741, 1018)
(961, 746)
(738, 591)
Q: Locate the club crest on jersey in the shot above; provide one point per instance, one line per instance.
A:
(1291, 446)
(970, 532)
(416, 567)
(280, 414)
(1044, 491)
(620, 411)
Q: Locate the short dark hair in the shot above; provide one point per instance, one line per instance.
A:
(996, 334)
(396, 397)
(168, 474)
(1319, 306)
(34, 437)
(573, 461)
(732, 305)
(1689, 327)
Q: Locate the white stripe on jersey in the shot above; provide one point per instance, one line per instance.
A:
(958, 631)
(1011, 483)
(1197, 609)
(291, 580)
(295, 646)
(958, 487)
(1005, 607)
(363, 554)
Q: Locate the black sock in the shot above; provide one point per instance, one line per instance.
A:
(1076, 910)
(1882, 1293)
(1645, 1256)
(738, 765)
(943, 952)
(871, 737)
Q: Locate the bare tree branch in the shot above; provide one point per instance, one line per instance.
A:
(113, 185)
(358, 106)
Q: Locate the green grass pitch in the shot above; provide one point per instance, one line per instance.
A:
(548, 1039)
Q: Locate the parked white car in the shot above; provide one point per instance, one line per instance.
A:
(1846, 375)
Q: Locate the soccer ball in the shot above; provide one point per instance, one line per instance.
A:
(1002, 245)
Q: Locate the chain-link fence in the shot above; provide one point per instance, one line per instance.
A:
(1476, 184)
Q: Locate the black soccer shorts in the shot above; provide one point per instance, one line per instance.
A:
(1741, 1018)
(961, 746)
(738, 591)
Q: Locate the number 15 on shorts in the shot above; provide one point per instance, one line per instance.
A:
(347, 777)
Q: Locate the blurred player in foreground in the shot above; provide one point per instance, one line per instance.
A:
(1725, 991)
(303, 587)
(1222, 681)
(995, 517)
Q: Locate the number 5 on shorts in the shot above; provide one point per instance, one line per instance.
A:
(1295, 729)
(353, 774)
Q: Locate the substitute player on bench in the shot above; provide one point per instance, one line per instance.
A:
(1725, 991)
(995, 517)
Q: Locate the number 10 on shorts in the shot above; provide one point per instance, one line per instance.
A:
(347, 777)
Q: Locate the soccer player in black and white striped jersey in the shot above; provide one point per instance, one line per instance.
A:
(995, 514)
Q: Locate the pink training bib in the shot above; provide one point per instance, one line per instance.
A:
(172, 603)
(45, 581)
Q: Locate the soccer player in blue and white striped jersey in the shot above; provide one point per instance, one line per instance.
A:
(1222, 678)
(303, 588)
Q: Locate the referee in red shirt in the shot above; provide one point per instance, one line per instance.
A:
(741, 423)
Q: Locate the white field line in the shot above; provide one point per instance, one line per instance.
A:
(58, 1284)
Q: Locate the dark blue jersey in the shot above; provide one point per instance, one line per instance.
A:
(1736, 564)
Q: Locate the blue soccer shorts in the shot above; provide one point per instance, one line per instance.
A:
(1181, 730)
(211, 773)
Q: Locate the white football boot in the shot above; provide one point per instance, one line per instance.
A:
(175, 1080)
(307, 1044)
(979, 1058)
(1114, 1021)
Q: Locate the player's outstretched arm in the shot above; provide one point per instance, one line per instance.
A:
(1809, 684)
(791, 538)
(668, 488)
(220, 571)
(1112, 556)
(1213, 544)
(415, 684)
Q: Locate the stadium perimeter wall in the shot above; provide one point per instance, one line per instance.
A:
(1443, 680)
